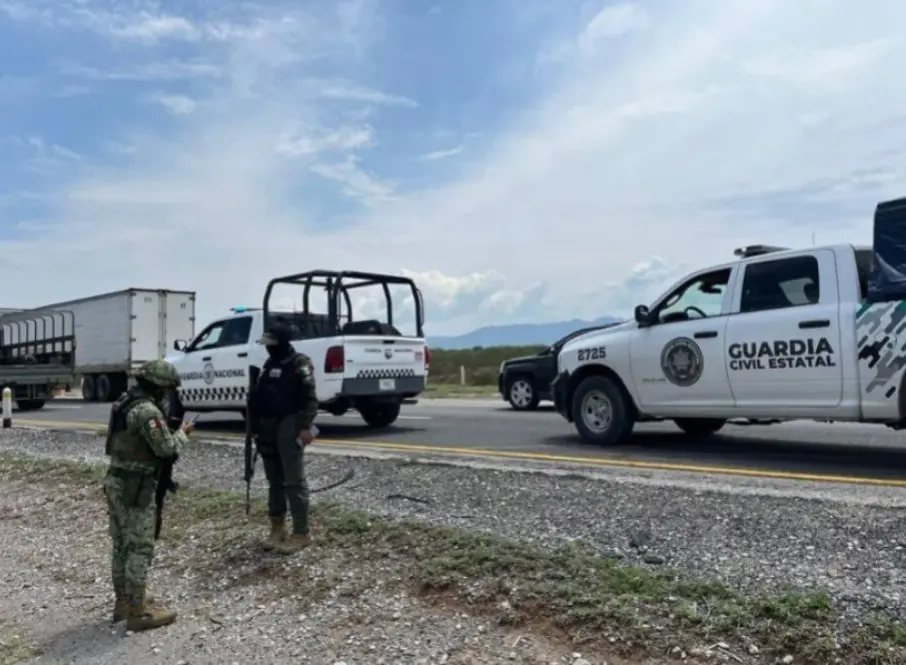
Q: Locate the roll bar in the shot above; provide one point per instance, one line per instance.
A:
(340, 283)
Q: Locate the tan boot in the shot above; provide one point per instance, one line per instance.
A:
(142, 616)
(277, 535)
(121, 604)
(295, 543)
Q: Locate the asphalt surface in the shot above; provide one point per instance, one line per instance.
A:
(852, 451)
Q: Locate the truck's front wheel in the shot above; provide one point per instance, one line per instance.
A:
(601, 413)
(380, 414)
(700, 426)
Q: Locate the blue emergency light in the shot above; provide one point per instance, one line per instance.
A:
(239, 310)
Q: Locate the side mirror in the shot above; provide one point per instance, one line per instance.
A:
(179, 344)
(642, 316)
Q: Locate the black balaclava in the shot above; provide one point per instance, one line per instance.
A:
(282, 348)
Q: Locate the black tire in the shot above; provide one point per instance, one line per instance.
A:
(522, 393)
(102, 388)
(621, 419)
(88, 393)
(30, 404)
(380, 414)
(700, 426)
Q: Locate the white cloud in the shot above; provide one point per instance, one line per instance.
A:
(437, 155)
(657, 144)
(175, 104)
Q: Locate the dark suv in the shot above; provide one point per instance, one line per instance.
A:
(526, 380)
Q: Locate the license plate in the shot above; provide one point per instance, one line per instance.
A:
(387, 384)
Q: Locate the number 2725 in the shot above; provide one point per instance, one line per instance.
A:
(594, 353)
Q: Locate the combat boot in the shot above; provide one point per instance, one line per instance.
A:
(277, 535)
(142, 616)
(121, 602)
(295, 543)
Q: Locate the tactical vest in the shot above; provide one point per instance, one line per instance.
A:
(280, 389)
(121, 443)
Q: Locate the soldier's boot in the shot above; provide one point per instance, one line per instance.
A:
(277, 536)
(295, 543)
(121, 602)
(142, 616)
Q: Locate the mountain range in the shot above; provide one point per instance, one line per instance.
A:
(518, 334)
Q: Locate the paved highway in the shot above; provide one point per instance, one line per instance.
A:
(859, 452)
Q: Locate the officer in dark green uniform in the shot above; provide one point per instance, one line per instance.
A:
(284, 407)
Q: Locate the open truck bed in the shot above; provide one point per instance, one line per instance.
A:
(37, 354)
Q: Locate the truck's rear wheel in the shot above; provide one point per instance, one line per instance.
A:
(88, 393)
(102, 388)
(379, 414)
(30, 404)
(601, 413)
(699, 426)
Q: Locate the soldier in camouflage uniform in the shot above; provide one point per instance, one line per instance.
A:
(138, 443)
(284, 407)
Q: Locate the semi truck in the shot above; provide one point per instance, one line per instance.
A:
(118, 331)
(37, 354)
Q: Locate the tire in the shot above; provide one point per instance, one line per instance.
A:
(102, 388)
(30, 404)
(380, 414)
(522, 393)
(700, 426)
(615, 430)
(88, 393)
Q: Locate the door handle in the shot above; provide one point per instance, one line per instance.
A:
(206, 358)
(706, 334)
(815, 323)
(243, 354)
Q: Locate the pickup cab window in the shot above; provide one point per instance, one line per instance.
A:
(209, 337)
(700, 297)
(236, 332)
(781, 283)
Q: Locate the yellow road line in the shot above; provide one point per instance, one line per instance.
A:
(538, 457)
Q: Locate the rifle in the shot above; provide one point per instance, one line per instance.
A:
(165, 483)
(251, 452)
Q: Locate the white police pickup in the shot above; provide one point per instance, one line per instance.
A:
(777, 334)
(364, 365)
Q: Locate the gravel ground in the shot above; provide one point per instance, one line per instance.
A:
(750, 541)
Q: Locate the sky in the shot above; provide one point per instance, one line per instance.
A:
(522, 161)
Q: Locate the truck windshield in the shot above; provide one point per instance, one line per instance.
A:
(326, 303)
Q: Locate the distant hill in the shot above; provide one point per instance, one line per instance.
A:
(520, 334)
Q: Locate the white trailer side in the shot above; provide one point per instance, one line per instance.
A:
(118, 331)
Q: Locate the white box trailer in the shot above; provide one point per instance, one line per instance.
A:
(119, 331)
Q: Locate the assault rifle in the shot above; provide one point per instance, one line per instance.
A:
(165, 483)
(251, 452)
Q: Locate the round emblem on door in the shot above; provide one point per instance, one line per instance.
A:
(207, 373)
(682, 362)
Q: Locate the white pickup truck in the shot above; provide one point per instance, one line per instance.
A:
(779, 334)
(364, 365)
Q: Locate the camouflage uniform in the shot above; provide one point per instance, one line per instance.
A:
(136, 454)
(278, 443)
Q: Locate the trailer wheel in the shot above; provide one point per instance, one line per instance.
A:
(102, 388)
(88, 393)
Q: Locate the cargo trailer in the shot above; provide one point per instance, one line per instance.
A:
(116, 332)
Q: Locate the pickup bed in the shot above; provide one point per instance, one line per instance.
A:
(778, 334)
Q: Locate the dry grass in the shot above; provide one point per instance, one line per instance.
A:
(570, 592)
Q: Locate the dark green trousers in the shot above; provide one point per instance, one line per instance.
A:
(283, 458)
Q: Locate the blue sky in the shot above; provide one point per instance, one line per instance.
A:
(524, 161)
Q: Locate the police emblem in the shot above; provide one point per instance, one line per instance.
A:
(207, 373)
(682, 362)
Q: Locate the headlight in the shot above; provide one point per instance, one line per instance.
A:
(500, 371)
